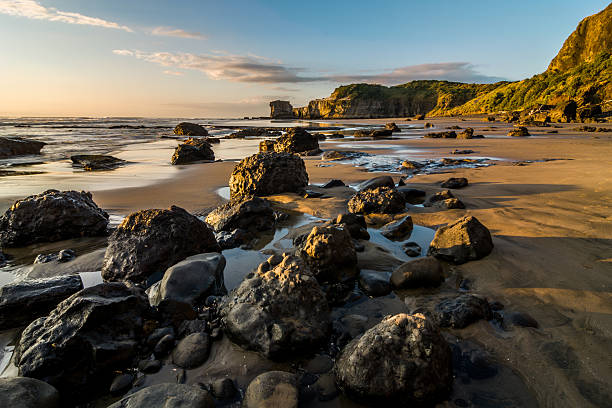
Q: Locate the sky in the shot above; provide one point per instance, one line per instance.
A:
(200, 58)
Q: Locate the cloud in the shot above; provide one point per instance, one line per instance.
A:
(229, 67)
(449, 71)
(177, 32)
(175, 73)
(34, 10)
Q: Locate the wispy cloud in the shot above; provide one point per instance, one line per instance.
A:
(177, 32)
(34, 10)
(175, 73)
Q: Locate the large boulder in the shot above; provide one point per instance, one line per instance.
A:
(422, 272)
(78, 347)
(52, 216)
(464, 240)
(26, 300)
(190, 129)
(23, 392)
(16, 146)
(279, 310)
(193, 150)
(381, 181)
(93, 162)
(329, 252)
(297, 141)
(272, 389)
(399, 229)
(462, 311)
(381, 200)
(249, 213)
(192, 351)
(147, 242)
(403, 360)
(167, 395)
(268, 173)
(192, 280)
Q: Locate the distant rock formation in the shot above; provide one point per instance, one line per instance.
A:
(281, 110)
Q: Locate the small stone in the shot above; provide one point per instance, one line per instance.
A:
(121, 384)
(192, 351)
(412, 249)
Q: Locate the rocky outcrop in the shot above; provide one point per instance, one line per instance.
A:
(23, 301)
(167, 395)
(464, 240)
(52, 216)
(329, 252)
(403, 360)
(268, 173)
(380, 200)
(248, 213)
(78, 347)
(93, 162)
(23, 392)
(16, 146)
(190, 129)
(279, 310)
(281, 110)
(193, 150)
(147, 242)
(297, 141)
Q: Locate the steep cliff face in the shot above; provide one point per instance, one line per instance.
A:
(592, 37)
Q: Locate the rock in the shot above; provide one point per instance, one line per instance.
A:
(523, 319)
(326, 387)
(381, 133)
(174, 313)
(392, 127)
(417, 273)
(23, 392)
(412, 249)
(462, 311)
(52, 216)
(16, 146)
(193, 280)
(333, 183)
(403, 360)
(464, 240)
(23, 301)
(450, 204)
(280, 310)
(236, 238)
(158, 334)
(455, 182)
(93, 162)
(78, 347)
(588, 112)
(319, 364)
(466, 151)
(168, 396)
(272, 389)
(297, 141)
(428, 125)
(190, 129)
(341, 155)
(121, 384)
(490, 118)
(412, 165)
(382, 181)
(192, 351)
(519, 131)
(149, 366)
(147, 242)
(266, 146)
(468, 133)
(329, 252)
(65, 255)
(439, 196)
(193, 151)
(248, 213)
(192, 326)
(281, 110)
(442, 135)
(355, 224)
(374, 283)
(411, 195)
(253, 132)
(381, 200)
(224, 389)
(268, 173)
(398, 230)
(419, 117)
(164, 345)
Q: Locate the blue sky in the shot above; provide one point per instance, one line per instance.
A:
(213, 59)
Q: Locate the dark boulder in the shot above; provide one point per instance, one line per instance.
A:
(93, 162)
(333, 183)
(442, 135)
(464, 240)
(374, 283)
(403, 360)
(422, 272)
(279, 310)
(268, 173)
(23, 301)
(16, 146)
(329, 252)
(411, 195)
(253, 132)
(455, 182)
(52, 216)
(224, 388)
(381, 181)
(437, 197)
(381, 133)
(190, 129)
(167, 395)
(462, 311)
(398, 230)
(192, 351)
(519, 131)
(355, 224)
(147, 242)
(23, 392)
(297, 141)
(78, 347)
(412, 249)
(121, 384)
(192, 152)
(272, 389)
(249, 213)
(381, 200)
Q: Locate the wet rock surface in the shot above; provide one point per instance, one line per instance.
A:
(462, 311)
(381, 200)
(81, 343)
(374, 283)
(382, 181)
(23, 392)
(52, 216)
(16, 146)
(23, 301)
(193, 150)
(279, 310)
(461, 241)
(192, 351)
(167, 395)
(355, 224)
(422, 272)
(190, 129)
(248, 213)
(149, 241)
(403, 359)
(272, 389)
(268, 173)
(398, 230)
(93, 162)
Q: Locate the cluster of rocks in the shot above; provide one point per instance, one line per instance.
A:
(193, 150)
(468, 133)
